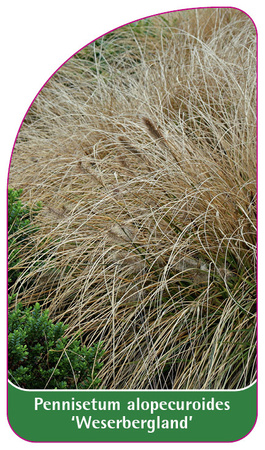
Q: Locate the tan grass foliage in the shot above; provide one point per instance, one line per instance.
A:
(142, 150)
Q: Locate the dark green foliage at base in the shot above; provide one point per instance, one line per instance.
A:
(39, 357)
(19, 230)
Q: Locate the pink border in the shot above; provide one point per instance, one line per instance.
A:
(146, 17)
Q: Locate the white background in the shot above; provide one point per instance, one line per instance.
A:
(36, 38)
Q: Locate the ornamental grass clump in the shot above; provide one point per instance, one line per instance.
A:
(142, 150)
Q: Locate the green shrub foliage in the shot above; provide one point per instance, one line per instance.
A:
(19, 230)
(39, 357)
